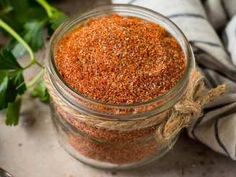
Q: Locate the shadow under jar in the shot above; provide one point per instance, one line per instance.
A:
(106, 135)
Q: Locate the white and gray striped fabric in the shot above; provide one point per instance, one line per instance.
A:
(210, 26)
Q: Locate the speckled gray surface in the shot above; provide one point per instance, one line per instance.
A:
(31, 149)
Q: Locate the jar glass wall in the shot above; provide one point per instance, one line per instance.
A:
(106, 135)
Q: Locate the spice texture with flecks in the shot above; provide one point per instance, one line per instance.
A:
(119, 60)
(111, 146)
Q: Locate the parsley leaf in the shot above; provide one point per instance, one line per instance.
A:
(13, 111)
(18, 50)
(11, 85)
(17, 83)
(3, 89)
(8, 60)
(40, 91)
(21, 12)
(56, 19)
(33, 34)
(11, 78)
(55, 16)
(24, 22)
(5, 7)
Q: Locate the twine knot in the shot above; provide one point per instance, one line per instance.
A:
(189, 108)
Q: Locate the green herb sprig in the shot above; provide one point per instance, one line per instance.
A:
(24, 22)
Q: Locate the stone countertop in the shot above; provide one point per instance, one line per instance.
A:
(31, 149)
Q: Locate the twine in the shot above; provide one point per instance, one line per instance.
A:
(169, 123)
(189, 108)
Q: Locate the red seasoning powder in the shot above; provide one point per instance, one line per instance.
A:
(117, 60)
(120, 60)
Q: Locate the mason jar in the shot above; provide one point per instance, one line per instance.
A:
(113, 136)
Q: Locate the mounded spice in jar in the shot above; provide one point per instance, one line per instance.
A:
(117, 60)
(123, 85)
(120, 60)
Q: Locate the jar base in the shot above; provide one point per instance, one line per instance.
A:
(111, 166)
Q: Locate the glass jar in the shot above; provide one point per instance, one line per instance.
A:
(106, 135)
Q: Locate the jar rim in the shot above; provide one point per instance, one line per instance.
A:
(116, 9)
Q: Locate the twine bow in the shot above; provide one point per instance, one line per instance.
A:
(189, 108)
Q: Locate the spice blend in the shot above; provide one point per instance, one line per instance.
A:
(120, 60)
(113, 146)
(116, 60)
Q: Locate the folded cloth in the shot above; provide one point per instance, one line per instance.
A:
(216, 57)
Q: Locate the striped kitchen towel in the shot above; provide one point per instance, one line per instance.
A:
(210, 27)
